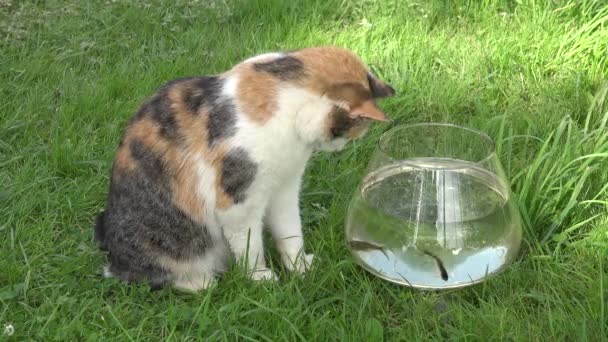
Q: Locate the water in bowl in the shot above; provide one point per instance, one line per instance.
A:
(433, 223)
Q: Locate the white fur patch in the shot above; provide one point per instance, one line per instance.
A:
(309, 113)
(206, 190)
(263, 57)
(197, 273)
(106, 272)
(230, 84)
(280, 149)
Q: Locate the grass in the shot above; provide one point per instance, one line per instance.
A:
(532, 74)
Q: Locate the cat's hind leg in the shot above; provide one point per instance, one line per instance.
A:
(197, 273)
(143, 271)
(195, 283)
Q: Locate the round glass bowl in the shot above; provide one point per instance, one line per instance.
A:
(434, 210)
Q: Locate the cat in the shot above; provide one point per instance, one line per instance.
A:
(207, 162)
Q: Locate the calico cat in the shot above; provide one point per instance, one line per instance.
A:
(206, 162)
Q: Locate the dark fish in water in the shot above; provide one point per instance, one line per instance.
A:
(364, 245)
(442, 270)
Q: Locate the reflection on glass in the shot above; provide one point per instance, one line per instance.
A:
(434, 210)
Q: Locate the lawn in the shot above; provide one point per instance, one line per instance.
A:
(531, 74)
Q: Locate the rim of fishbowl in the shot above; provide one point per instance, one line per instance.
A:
(481, 134)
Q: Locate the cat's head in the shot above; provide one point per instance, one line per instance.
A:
(342, 95)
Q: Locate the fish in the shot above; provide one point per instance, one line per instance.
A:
(442, 271)
(364, 245)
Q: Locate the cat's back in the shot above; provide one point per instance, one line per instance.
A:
(215, 135)
(154, 210)
(177, 115)
(182, 125)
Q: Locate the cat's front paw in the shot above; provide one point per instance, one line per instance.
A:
(301, 264)
(263, 274)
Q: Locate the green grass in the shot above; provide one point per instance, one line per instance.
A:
(532, 74)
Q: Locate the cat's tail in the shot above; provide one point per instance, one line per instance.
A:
(100, 231)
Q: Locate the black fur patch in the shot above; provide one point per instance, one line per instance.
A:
(379, 90)
(204, 90)
(194, 99)
(151, 221)
(141, 223)
(158, 108)
(160, 111)
(238, 172)
(285, 68)
(221, 123)
(100, 233)
(341, 122)
(149, 163)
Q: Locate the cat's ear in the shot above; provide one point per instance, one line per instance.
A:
(379, 88)
(368, 110)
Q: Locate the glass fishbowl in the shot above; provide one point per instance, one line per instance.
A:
(434, 210)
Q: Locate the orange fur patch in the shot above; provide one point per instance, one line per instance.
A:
(123, 160)
(222, 200)
(147, 132)
(352, 93)
(194, 129)
(179, 166)
(328, 66)
(368, 109)
(185, 193)
(256, 93)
